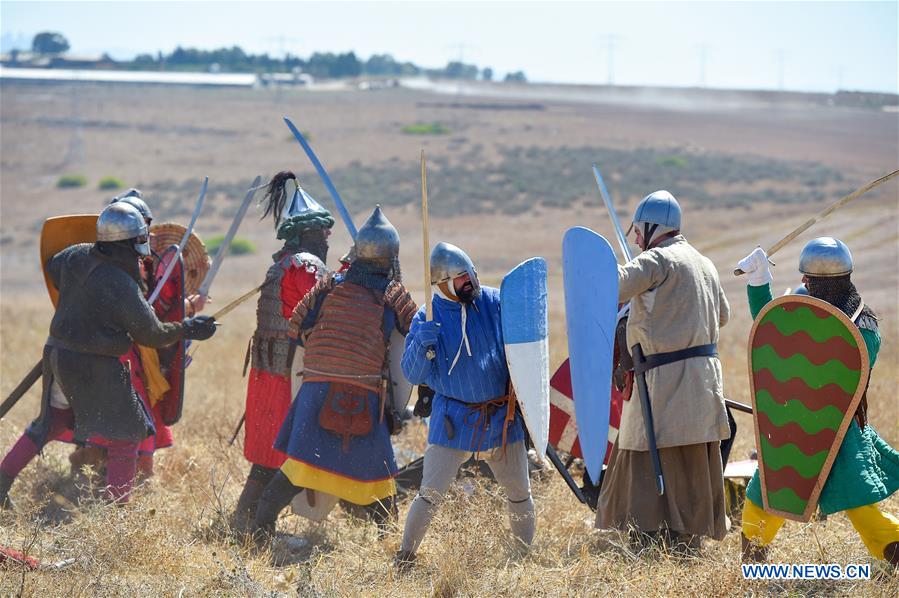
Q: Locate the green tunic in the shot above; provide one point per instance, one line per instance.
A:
(866, 469)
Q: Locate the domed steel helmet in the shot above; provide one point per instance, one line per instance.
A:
(657, 214)
(121, 221)
(134, 198)
(448, 262)
(825, 257)
(377, 240)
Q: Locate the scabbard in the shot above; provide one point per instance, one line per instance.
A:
(643, 391)
(19, 391)
(560, 467)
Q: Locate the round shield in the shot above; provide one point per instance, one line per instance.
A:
(196, 260)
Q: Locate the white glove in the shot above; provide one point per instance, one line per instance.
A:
(756, 266)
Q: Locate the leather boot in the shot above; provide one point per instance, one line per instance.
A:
(383, 513)
(245, 513)
(752, 552)
(275, 497)
(6, 503)
(891, 554)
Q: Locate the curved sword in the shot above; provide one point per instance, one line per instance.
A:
(341, 208)
(223, 248)
(190, 228)
(622, 238)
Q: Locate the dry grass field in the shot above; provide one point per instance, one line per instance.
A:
(172, 540)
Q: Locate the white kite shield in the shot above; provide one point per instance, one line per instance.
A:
(400, 388)
(523, 299)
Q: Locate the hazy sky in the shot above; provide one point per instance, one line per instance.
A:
(798, 45)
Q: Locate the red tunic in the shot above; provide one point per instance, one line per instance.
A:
(268, 394)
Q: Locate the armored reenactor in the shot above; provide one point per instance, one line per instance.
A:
(866, 468)
(676, 308)
(460, 355)
(304, 226)
(337, 433)
(100, 313)
(157, 375)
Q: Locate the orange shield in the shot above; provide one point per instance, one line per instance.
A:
(61, 232)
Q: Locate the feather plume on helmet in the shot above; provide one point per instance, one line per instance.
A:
(294, 215)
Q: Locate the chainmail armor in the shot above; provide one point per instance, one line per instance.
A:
(841, 293)
(271, 345)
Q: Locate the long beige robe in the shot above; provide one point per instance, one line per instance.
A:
(676, 303)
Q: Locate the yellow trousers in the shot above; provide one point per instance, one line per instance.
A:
(877, 529)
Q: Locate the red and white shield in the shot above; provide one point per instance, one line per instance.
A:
(562, 425)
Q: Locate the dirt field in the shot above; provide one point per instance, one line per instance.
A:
(169, 541)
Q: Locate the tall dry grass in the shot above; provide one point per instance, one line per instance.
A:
(172, 539)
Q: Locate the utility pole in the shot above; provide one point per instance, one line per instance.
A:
(282, 41)
(781, 58)
(611, 39)
(703, 51)
(461, 47)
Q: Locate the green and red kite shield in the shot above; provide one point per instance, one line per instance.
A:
(61, 232)
(808, 367)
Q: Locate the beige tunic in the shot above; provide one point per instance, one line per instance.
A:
(676, 303)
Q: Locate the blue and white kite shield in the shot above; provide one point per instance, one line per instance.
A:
(525, 322)
(590, 272)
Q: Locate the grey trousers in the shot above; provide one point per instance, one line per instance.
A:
(440, 468)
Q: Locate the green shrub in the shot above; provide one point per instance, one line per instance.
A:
(238, 245)
(673, 161)
(69, 181)
(110, 182)
(426, 129)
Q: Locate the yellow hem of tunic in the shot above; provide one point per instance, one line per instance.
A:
(156, 382)
(361, 493)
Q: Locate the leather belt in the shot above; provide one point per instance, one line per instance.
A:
(58, 343)
(655, 360)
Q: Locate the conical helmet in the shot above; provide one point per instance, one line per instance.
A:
(302, 213)
(301, 204)
(378, 239)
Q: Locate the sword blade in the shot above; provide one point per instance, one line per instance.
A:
(560, 467)
(232, 231)
(341, 208)
(243, 418)
(607, 199)
(230, 307)
(193, 220)
(823, 214)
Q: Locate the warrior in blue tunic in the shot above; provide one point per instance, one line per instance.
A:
(460, 355)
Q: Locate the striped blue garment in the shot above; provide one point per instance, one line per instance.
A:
(475, 378)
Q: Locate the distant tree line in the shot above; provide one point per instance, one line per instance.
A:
(321, 65)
